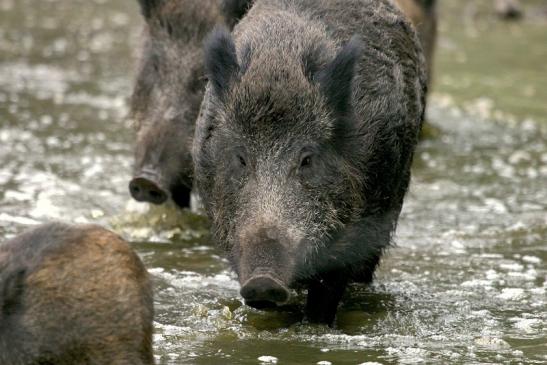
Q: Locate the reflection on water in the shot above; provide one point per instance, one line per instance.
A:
(466, 283)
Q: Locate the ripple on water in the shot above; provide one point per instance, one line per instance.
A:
(466, 283)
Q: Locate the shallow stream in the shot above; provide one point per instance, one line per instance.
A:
(467, 281)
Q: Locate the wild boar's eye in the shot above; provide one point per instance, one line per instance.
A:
(306, 161)
(308, 171)
(242, 160)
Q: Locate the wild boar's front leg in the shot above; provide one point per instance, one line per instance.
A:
(324, 294)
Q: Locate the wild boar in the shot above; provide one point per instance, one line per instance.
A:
(73, 295)
(304, 144)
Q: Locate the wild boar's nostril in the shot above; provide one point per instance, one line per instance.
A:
(262, 289)
(145, 190)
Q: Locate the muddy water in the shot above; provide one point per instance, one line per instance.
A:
(467, 280)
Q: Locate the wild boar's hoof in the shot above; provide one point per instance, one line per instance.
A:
(264, 290)
(144, 189)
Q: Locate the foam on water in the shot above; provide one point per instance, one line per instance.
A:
(466, 284)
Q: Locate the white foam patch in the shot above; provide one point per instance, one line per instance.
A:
(528, 325)
(492, 275)
(538, 291)
(4, 217)
(476, 283)
(512, 266)
(167, 330)
(512, 294)
(193, 280)
(491, 255)
(529, 275)
(268, 359)
(492, 343)
(408, 355)
(531, 259)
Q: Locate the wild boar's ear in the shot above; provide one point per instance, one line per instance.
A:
(147, 6)
(336, 77)
(220, 60)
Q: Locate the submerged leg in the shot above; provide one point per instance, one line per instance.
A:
(324, 294)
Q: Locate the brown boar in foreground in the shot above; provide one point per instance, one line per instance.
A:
(73, 295)
(303, 148)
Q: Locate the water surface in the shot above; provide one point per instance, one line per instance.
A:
(467, 280)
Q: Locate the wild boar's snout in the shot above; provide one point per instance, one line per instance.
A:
(265, 267)
(264, 289)
(146, 186)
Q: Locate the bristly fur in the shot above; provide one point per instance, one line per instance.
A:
(220, 60)
(308, 143)
(73, 295)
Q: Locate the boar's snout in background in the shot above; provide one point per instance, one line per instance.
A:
(304, 143)
(162, 163)
(144, 187)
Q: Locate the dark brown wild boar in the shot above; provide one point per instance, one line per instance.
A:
(167, 95)
(73, 295)
(303, 148)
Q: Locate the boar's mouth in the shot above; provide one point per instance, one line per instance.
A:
(263, 289)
